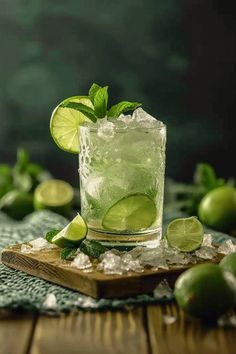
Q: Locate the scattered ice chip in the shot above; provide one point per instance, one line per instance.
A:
(207, 240)
(227, 247)
(206, 252)
(50, 302)
(81, 261)
(163, 291)
(168, 320)
(110, 264)
(143, 118)
(41, 244)
(227, 321)
(26, 249)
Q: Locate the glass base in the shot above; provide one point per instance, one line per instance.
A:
(149, 239)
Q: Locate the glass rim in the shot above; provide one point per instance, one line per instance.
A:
(90, 127)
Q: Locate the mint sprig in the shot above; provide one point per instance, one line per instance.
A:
(98, 95)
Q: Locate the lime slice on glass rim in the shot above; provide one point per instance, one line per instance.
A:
(54, 194)
(65, 123)
(73, 234)
(185, 234)
(134, 212)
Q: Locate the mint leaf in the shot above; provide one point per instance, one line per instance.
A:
(122, 107)
(87, 111)
(100, 102)
(50, 234)
(93, 90)
(92, 248)
(22, 160)
(68, 252)
(206, 178)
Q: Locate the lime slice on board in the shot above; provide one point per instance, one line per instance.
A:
(131, 213)
(73, 234)
(65, 123)
(55, 195)
(185, 234)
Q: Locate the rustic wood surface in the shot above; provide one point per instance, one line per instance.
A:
(49, 266)
(140, 330)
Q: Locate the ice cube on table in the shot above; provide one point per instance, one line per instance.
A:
(81, 261)
(163, 291)
(41, 244)
(206, 252)
(168, 320)
(227, 247)
(26, 249)
(207, 240)
(50, 302)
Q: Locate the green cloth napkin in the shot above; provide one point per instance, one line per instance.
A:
(21, 291)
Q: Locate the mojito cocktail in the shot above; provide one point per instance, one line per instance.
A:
(121, 166)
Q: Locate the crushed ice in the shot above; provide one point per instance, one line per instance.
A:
(163, 291)
(227, 247)
(168, 319)
(50, 302)
(227, 321)
(81, 261)
(39, 244)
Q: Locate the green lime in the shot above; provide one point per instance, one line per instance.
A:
(134, 212)
(218, 209)
(204, 291)
(55, 195)
(17, 204)
(185, 234)
(73, 234)
(65, 123)
(228, 263)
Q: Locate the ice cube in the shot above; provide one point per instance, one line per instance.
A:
(145, 120)
(106, 130)
(227, 321)
(111, 264)
(40, 244)
(168, 320)
(163, 291)
(81, 261)
(227, 247)
(50, 302)
(206, 252)
(26, 249)
(207, 240)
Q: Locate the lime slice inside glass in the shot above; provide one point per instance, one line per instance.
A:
(134, 212)
(185, 234)
(73, 234)
(65, 123)
(54, 194)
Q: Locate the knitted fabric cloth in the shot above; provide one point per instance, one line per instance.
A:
(21, 291)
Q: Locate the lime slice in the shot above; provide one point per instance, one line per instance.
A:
(55, 195)
(65, 123)
(134, 212)
(73, 234)
(185, 234)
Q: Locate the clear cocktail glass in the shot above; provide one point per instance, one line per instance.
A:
(122, 166)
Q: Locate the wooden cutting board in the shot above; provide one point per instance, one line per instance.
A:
(48, 265)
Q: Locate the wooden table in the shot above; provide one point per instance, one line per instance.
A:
(134, 331)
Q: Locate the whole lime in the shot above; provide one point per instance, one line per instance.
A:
(218, 209)
(17, 204)
(205, 292)
(228, 263)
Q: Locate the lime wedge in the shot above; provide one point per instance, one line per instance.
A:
(134, 212)
(55, 195)
(73, 234)
(185, 234)
(65, 123)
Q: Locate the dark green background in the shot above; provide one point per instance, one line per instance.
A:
(177, 57)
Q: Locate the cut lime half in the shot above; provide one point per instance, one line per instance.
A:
(185, 234)
(134, 212)
(73, 234)
(54, 194)
(65, 123)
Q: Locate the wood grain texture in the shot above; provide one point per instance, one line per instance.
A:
(48, 265)
(186, 336)
(15, 332)
(88, 333)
